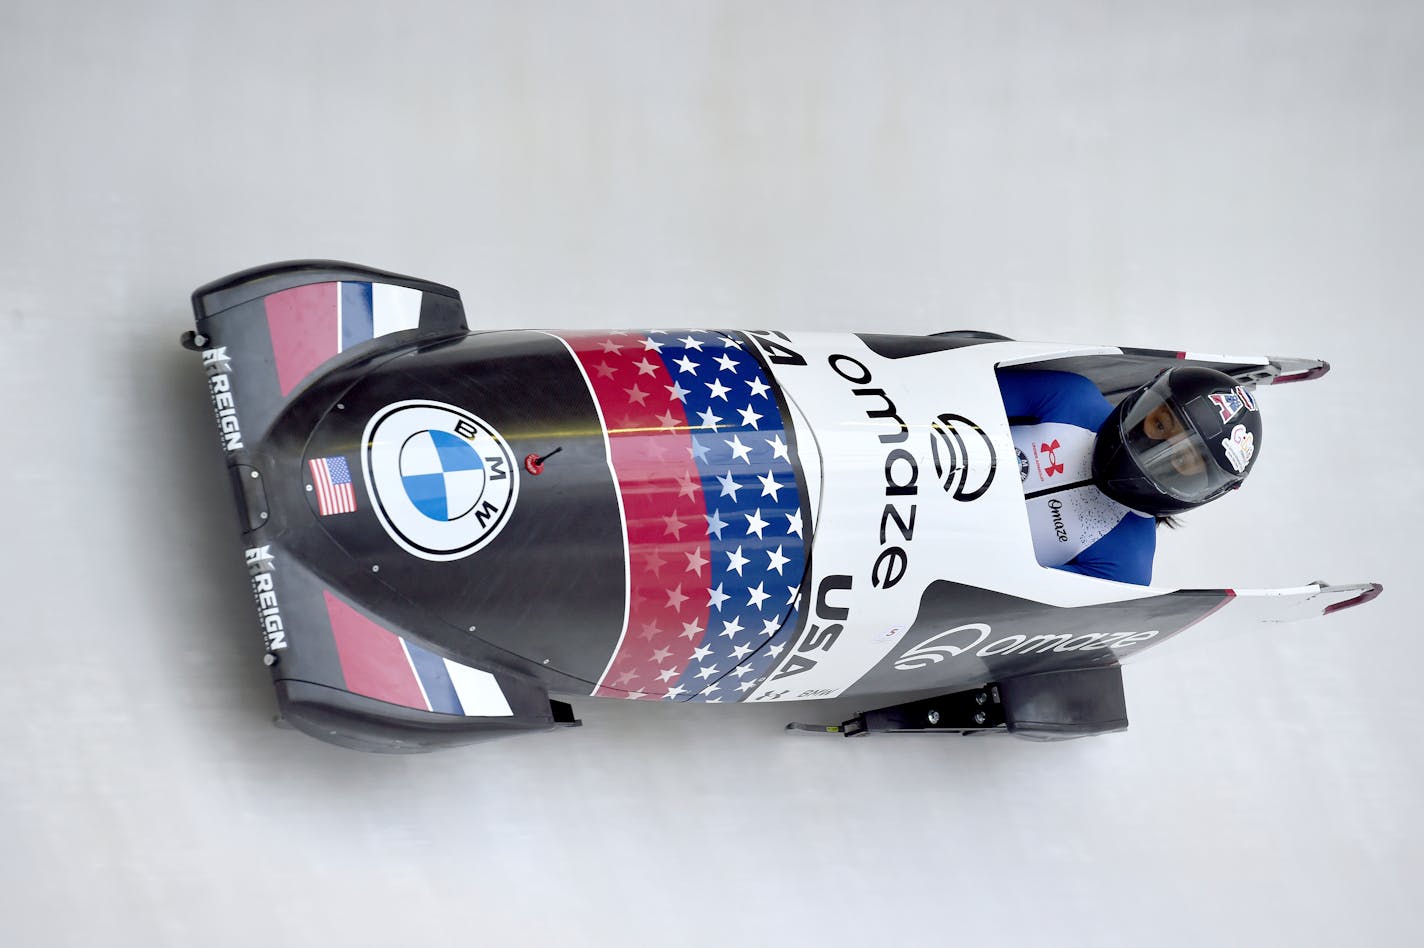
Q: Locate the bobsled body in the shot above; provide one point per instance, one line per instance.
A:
(445, 526)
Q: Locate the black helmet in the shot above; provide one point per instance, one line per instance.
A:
(1182, 440)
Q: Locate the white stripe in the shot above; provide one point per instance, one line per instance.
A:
(393, 308)
(478, 691)
(415, 674)
(339, 315)
(622, 515)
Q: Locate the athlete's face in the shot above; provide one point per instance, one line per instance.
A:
(1162, 424)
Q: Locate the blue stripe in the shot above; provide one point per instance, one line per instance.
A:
(436, 679)
(357, 322)
(723, 379)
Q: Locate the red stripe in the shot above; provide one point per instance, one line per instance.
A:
(372, 658)
(669, 552)
(302, 322)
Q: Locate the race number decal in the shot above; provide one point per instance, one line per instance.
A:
(442, 481)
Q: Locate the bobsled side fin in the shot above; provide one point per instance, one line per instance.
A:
(356, 722)
(351, 677)
(268, 332)
(255, 282)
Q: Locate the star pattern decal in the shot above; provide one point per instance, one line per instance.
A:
(705, 465)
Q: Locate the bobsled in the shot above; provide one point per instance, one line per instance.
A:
(451, 531)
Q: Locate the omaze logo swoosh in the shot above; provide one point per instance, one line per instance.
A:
(964, 457)
(932, 650)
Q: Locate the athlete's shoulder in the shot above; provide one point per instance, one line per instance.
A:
(1037, 396)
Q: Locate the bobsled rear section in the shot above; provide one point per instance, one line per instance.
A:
(347, 662)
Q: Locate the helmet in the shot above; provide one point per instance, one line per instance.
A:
(1185, 438)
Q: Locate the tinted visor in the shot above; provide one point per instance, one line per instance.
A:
(1168, 449)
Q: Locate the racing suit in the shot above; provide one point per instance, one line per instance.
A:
(1054, 418)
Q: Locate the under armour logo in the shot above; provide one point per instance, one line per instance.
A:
(1051, 449)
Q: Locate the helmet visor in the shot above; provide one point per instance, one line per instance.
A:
(1168, 449)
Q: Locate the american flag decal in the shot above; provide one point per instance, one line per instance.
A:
(331, 479)
(713, 511)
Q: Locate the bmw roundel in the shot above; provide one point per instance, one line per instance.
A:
(442, 481)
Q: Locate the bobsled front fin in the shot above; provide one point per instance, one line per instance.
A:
(256, 282)
(353, 721)
(271, 337)
(268, 332)
(348, 677)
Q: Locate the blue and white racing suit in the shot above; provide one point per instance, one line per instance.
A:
(1054, 418)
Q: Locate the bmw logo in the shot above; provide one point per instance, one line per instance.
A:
(442, 481)
(1023, 465)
